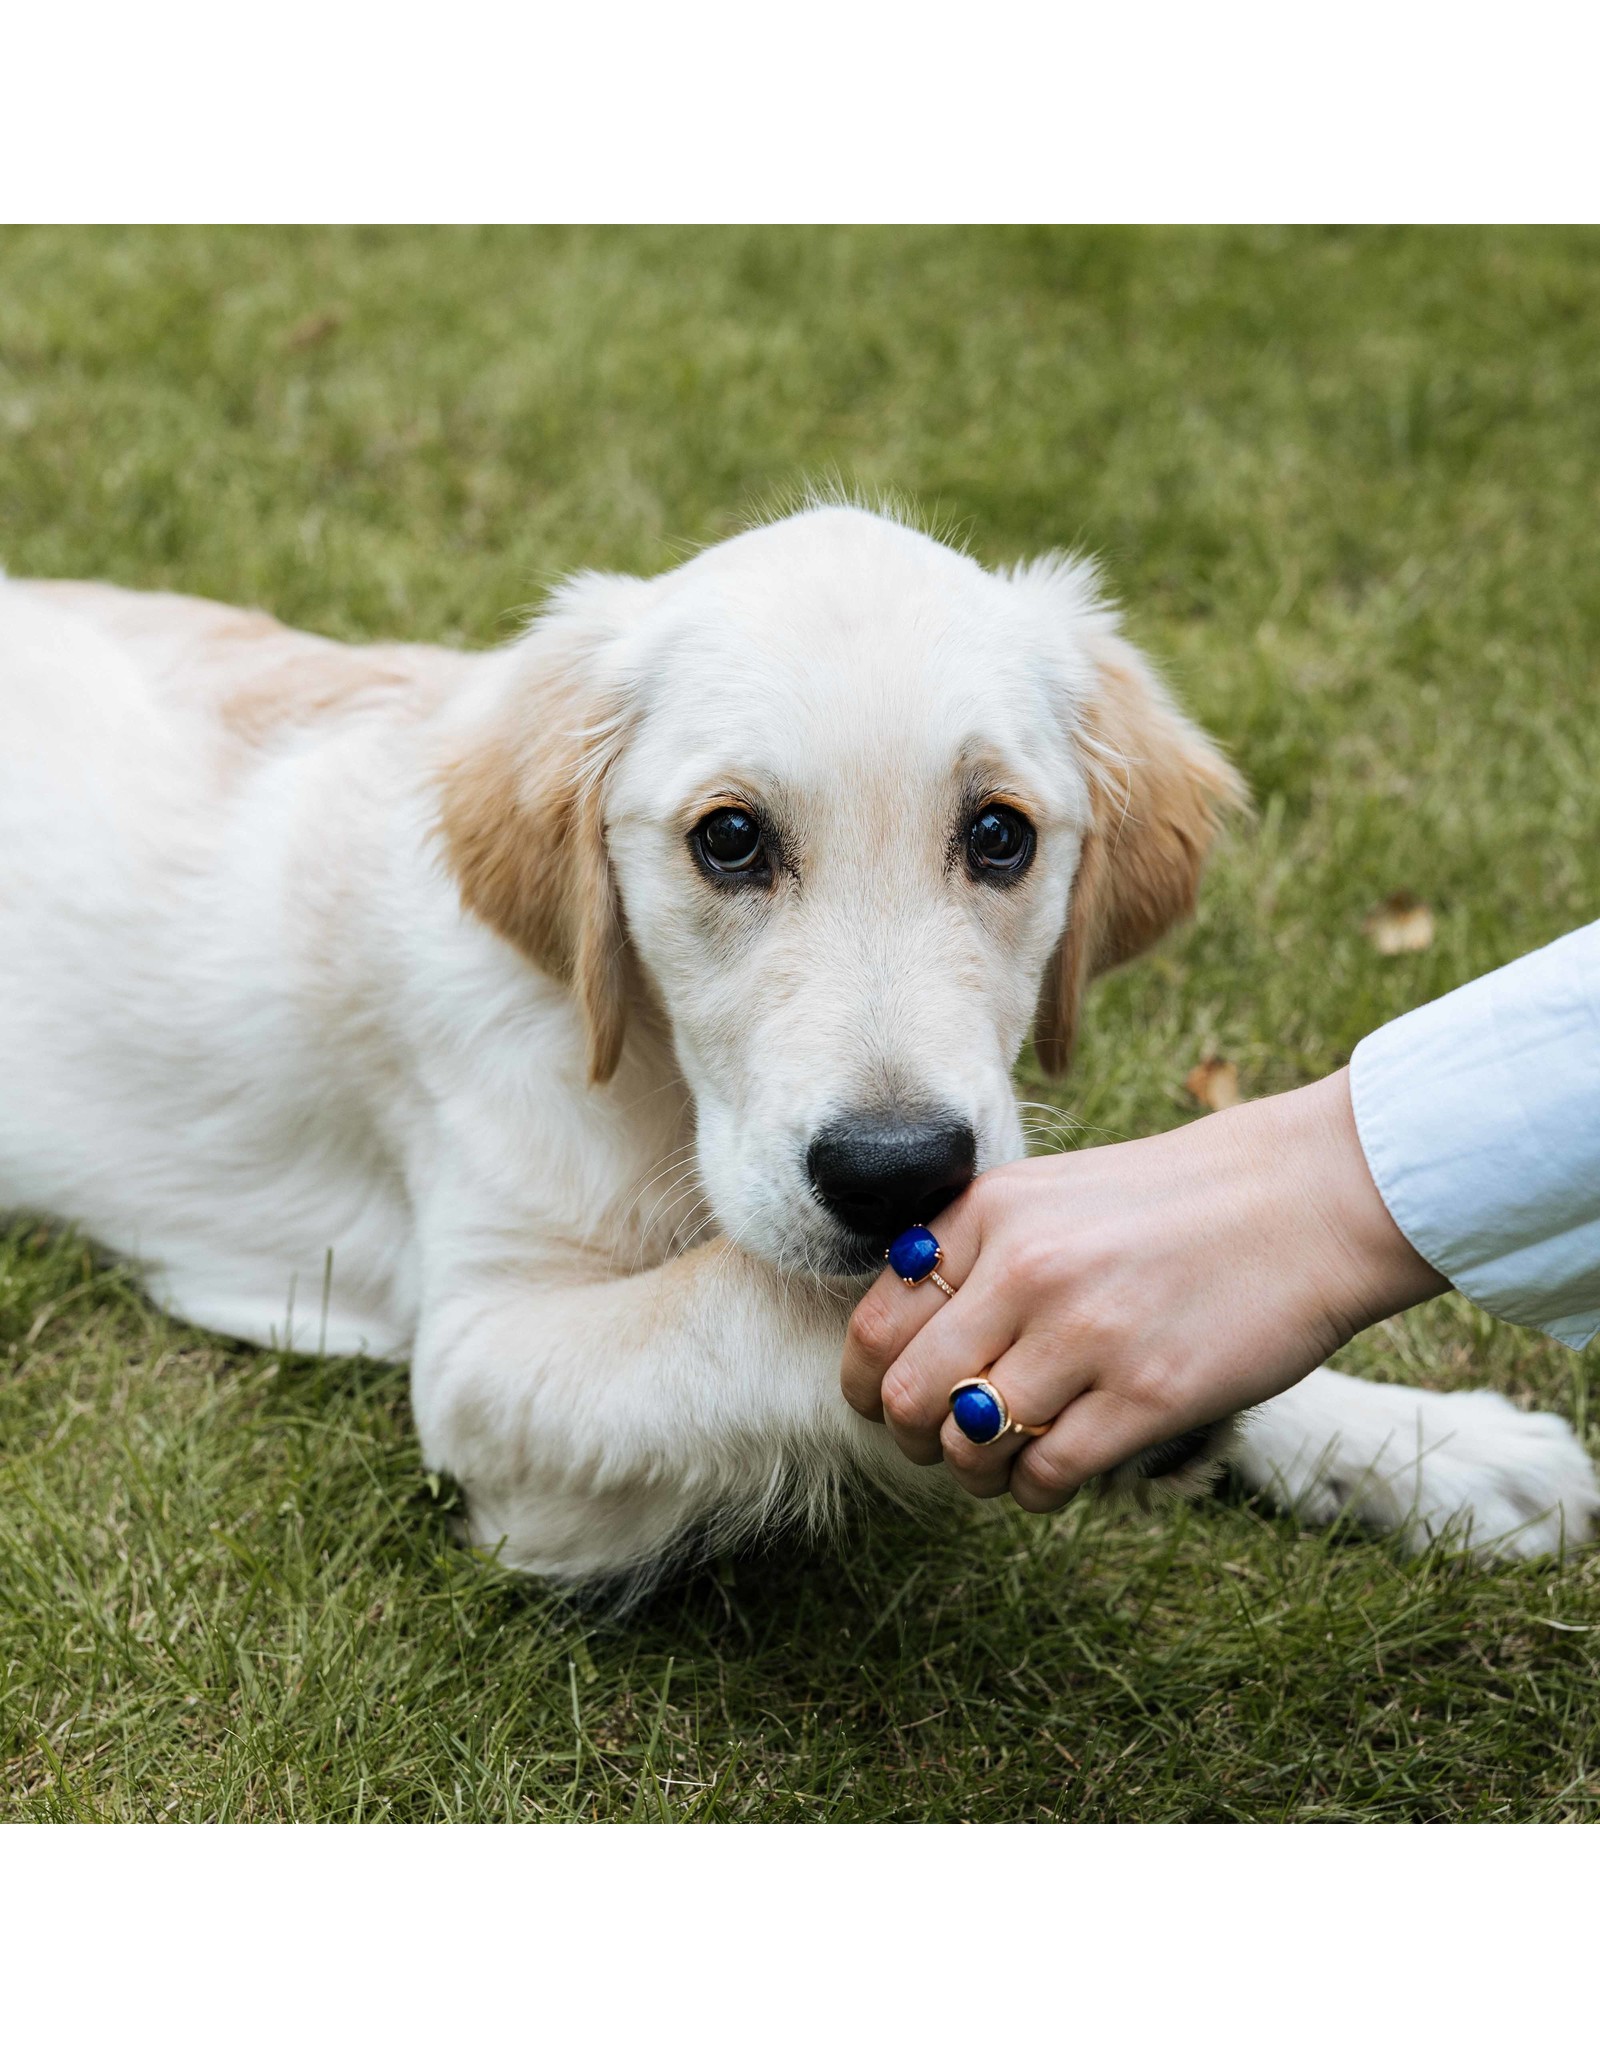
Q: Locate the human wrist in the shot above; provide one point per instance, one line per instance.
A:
(1370, 1269)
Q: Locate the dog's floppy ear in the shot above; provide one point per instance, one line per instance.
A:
(1158, 789)
(522, 819)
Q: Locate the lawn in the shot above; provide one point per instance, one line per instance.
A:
(1348, 485)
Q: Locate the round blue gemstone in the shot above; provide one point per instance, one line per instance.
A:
(978, 1414)
(914, 1253)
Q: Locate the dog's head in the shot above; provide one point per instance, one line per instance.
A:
(858, 811)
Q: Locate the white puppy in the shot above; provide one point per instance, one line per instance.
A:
(575, 1018)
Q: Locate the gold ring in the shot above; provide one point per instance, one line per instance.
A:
(980, 1412)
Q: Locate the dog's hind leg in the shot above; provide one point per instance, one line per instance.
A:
(1468, 1469)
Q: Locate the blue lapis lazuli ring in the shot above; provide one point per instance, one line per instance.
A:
(979, 1411)
(915, 1256)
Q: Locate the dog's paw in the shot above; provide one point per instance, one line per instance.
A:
(1182, 1468)
(1470, 1471)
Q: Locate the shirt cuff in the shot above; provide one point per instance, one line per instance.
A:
(1479, 1116)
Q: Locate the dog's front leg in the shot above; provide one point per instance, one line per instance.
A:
(593, 1424)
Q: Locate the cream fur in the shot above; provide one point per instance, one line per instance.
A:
(369, 998)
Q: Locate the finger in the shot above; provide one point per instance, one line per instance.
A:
(1036, 1381)
(1092, 1434)
(890, 1313)
(983, 1470)
(965, 1338)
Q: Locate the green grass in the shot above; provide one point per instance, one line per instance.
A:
(1349, 486)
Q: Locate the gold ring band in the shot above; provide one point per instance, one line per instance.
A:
(1015, 1428)
(943, 1286)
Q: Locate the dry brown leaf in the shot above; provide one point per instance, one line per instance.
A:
(1402, 923)
(1214, 1084)
(314, 328)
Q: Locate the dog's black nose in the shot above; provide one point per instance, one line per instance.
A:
(878, 1174)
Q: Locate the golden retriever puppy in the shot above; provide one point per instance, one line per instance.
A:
(579, 1020)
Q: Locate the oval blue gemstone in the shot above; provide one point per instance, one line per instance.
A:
(978, 1414)
(914, 1253)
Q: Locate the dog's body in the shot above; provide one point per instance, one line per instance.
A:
(388, 999)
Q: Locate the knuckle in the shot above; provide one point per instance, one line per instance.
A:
(1148, 1382)
(873, 1328)
(1049, 1469)
(1030, 1266)
(1117, 1325)
(900, 1402)
(1100, 1322)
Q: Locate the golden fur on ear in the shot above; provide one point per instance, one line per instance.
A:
(524, 836)
(1159, 789)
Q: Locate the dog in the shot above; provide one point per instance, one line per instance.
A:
(579, 1019)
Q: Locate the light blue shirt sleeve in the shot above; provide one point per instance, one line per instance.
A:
(1480, 1118)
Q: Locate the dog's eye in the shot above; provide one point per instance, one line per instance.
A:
(1000, 843)
(729, 842)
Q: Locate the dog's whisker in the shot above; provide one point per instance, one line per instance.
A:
(1048, 1126)
(680, 1164)
(677, 1169)
(684, 1179)
(675, 1158)
(691, 1226)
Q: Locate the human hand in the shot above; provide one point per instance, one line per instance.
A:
(1136, 1291)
